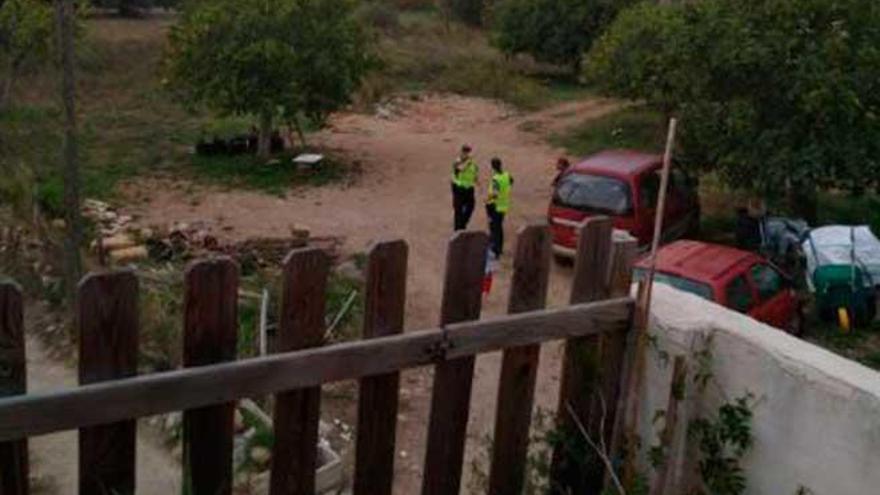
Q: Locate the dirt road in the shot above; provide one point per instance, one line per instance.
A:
(404, 193)
(53, 457)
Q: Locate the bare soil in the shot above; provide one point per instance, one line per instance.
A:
(53, 456)
(404, 192)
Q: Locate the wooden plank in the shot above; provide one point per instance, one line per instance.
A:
(581, 367)
(451, 397)
(160, 393)
(108, 350)
(385, 301)
(613, 347)
(625, 254)
(13, 381)
(519, 368)
(301, 326)
(210, 336)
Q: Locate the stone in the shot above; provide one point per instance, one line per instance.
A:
(260, 455)
(350, 270)
(59, 224)
(128, 255)
(118, 241)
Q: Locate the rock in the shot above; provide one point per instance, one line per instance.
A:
(172, 421)
(127, 255)
(299, 231)
(350, 270)
(119, 241)
(59, 224)
(147, 233)
(260, 455)
(108, 216)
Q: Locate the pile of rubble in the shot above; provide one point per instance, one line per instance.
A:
(120, 242)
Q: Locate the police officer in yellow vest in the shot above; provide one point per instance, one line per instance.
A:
(464, 181)
(498, 204)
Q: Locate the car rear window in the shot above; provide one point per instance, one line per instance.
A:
(593, 193)
(739, 295)
(768, 281)
(680, 283)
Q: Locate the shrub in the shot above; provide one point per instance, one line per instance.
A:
(552, 31)
(493, 79)
(380, 15)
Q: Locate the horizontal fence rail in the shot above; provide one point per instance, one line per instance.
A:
(147, 395)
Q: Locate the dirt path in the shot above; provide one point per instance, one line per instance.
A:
(54, 457)
(404, 193)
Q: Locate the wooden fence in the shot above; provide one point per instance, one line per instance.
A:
(111, 396)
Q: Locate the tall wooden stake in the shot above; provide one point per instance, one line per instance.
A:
(642, 318)
(73, 241)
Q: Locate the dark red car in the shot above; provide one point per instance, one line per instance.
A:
(739, 280)
(624, 185)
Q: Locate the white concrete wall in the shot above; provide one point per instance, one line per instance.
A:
(816, 419)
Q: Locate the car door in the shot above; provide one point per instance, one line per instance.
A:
(775, 302)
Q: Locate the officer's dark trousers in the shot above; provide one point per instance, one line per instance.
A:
(496, 230)
(463, 202)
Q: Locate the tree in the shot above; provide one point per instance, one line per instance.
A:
(777, 95)
(268, 59)
(26, 30)
(73, 241)
(553, 31)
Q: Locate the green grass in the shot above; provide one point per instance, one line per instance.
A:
(861, 344)
(632, 127)
(275, 177)
(422, 55)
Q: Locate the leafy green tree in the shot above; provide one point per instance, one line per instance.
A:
(777, 95)
(26, 29)
(268, 58)
(553, 31)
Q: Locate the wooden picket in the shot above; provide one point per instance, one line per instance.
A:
(595, 325)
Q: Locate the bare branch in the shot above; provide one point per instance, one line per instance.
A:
(599, 450)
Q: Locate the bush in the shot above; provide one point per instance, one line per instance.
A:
(552, 31)
(379, 15)
(493, 79)
(469, 12)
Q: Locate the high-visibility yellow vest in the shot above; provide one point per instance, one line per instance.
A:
(467, 177)
(499, 193)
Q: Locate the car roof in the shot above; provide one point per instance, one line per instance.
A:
(700, 261)
(618, 162)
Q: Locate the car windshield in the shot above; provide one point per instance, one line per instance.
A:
(593, 193)
(680, 283)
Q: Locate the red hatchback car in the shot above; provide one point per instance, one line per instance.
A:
(624, 185)
(739, 280)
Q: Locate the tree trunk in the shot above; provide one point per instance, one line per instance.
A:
(264, 146)
(70, 158)
(299, 131)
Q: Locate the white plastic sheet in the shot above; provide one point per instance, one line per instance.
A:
(843, 245)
